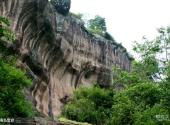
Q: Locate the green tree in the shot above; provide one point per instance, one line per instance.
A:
(97, 25)
(154, 54)
(133, 102)
(148, 65)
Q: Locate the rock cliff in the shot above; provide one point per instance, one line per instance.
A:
(59, 52)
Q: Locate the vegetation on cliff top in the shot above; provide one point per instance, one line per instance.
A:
(96, 25)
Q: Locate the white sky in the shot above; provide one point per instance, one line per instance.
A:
(128, 20)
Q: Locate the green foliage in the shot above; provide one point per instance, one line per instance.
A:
(151, 116)
(97, 25)
(130, 104)
(4, 20)
(147, 48)
(142, 71)
(148, 66)
(10, 76)
(125, 78)
(154, 54)
(81, 110)
(6, 54)
(122, 110)
(146, 94)
(137, 104)
(12, 100)
(90, 105)
(165, 85)
(5, 32)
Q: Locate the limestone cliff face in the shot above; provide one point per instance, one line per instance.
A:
(59, 52)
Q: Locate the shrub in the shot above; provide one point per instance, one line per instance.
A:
(137, 105)
(156, 115)
(12, 100)
(145, 94)
(122, 110)
(90, 105)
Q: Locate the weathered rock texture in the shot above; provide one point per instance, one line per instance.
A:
(59, 52)
(62, 6)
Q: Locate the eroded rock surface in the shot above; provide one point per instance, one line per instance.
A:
(59, 52)
(62, 6)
